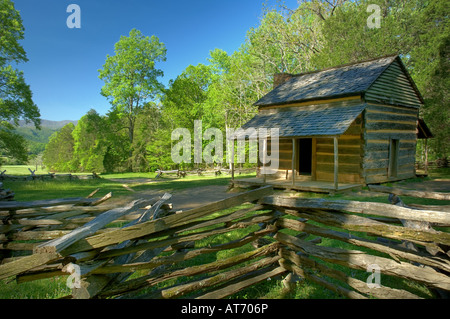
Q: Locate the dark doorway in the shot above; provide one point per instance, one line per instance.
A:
(393, 157)
(305, 156)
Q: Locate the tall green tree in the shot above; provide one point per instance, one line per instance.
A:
(148, 122)
(117, 156)
(286, 40)
(429, 64)
(190, 98)
(184, 101)
(15, 95)
(58, 154)
(131, 77)
(89, 143)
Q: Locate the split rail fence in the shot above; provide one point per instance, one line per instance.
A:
(43, 177)
(200, 172)
(156, 252)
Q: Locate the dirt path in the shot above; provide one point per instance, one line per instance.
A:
(183, 199)
(193, 197)
(189, 198)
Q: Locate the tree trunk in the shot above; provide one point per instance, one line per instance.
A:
(131, 137)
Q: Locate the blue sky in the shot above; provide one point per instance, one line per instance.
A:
(62, 70)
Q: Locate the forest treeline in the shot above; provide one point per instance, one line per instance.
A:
(135, 135)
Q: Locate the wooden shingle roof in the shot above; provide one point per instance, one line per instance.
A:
(314, 120)
(346, 80)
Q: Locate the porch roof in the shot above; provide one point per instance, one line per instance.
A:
(309, 121)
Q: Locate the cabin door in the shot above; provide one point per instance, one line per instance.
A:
(393, 157)
(304, 148)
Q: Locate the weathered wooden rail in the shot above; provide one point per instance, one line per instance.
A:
(42, 220)
(6, 194)
(216, 250)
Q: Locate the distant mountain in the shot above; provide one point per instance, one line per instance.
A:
(37, 139)
(54, 125)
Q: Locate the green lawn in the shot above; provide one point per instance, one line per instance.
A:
(21, 169)
(51, 189)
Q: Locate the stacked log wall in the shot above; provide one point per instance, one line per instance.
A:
(349, 155)
(382, 124)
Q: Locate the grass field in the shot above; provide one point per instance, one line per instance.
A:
(51, 189)
(56, 287)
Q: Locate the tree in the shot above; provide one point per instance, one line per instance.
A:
(184, 101)
(190, 98)
(89, 143)
(58, 154)
(117, 156)
(418, 30)
(131, 77)
(148, 122)
(15, 95)
(429, 64)
(286, 40)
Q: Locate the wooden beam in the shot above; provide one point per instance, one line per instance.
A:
(233, 288)
(336, 163)
(180, 290)
(359, 260)
(409, 192)
(381, 292)
(395, 252)
(45, 203)
(148, 280)
(232, 160)
(26, 263)
(57, 245)
(314, 160)
(153, 226)
(372, 208)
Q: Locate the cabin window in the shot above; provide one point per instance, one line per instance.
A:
(393, 157)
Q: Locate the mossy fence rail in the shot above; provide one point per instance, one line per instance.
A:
(148, 250)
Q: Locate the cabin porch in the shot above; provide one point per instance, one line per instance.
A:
(299, 185)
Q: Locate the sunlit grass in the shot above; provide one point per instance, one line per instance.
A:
(52, 189)
(51, 288)
(20, 170)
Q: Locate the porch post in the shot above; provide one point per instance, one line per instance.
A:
(426, 156)
(232, 160)
(336, 163)
(314, 159)
(293, 161)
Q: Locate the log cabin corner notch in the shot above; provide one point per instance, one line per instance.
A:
(356, 123)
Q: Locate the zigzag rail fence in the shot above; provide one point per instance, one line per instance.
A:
(148, 250)
(45, 177)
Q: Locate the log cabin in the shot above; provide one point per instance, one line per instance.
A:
(355, 124)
